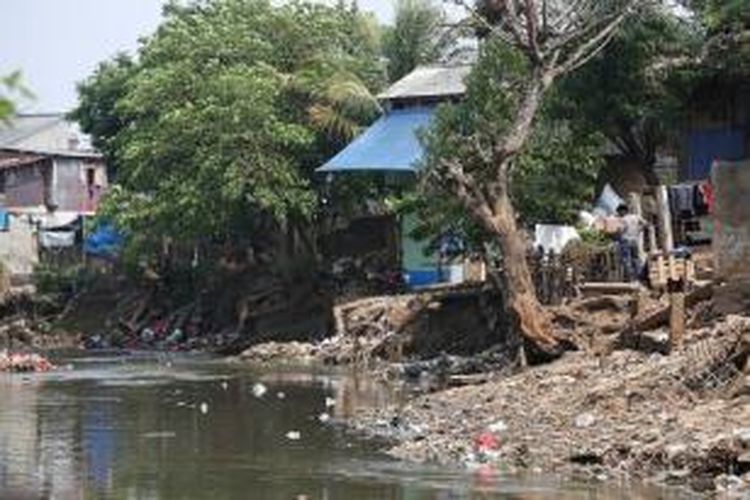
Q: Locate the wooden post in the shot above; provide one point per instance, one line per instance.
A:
(653, 246)
(665, 219)
(676, 314)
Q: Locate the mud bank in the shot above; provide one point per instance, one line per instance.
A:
(681, 420)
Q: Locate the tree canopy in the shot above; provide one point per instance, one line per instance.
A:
(630, 92)
(222, 114)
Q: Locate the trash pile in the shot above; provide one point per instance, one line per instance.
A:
(159, 336)
(682, 419)
(24, 363)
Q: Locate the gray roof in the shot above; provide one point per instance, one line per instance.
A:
(430, 81)
(49, 134)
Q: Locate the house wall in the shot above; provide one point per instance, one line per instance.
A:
(18, 247)
(719, 129)
(70, 189)
(25, 186)
(419, 265)
(732, 213)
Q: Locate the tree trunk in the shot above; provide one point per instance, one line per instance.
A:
(492, 207)
(532, 319)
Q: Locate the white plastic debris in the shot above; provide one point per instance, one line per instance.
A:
(585, 420)
(204, 408)
(330, 402)
(293, 435)
(499, 426)
(324, 418)
(259, 390)
(225, 385)
(280, 395)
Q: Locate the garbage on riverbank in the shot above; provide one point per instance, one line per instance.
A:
(682, 419)
(22, 363)
(418, 326)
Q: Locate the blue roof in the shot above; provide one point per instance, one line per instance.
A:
(390, 144)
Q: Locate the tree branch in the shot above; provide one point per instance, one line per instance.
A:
(591, 48)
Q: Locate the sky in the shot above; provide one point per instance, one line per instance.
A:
(56, 43)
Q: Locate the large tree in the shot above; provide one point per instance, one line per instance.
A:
(546, 40)
(218, 123)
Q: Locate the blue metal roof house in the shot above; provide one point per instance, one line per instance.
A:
(391, 146)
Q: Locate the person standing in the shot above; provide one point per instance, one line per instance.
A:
(628, 242)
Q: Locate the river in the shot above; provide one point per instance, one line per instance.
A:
(162, 427)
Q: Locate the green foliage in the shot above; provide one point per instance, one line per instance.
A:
(726, 51)
(417, 37)
(722, 15)
(628, 92)
(556, 176)
(553, 178)
(12, 89)
(225, 113)
(58, 282)
(97, 111)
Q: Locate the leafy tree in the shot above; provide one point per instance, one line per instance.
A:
(554, 176)
(217, 125)
(543, 42)
(629, 92)
(419, 36)
(726, 28)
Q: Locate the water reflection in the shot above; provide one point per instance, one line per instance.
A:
(141, 428)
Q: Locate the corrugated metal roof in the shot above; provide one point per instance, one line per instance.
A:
(11, 160)
(46, 134)
(430, 81)
(390, 144)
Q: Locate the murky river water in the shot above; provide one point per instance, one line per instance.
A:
(140, 427)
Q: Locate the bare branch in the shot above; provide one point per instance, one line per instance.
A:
(589, 49)
(532, 29)
(467, 189)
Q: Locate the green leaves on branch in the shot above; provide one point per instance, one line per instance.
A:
(227, 110)
(12, 89)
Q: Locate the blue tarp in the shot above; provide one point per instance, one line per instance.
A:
(4, 220)
(105, 242)
(390, 144)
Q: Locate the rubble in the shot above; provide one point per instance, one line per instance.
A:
(671, 419)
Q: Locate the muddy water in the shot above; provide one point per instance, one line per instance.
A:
(140, 427)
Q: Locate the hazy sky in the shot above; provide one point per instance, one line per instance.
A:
(57, 43)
